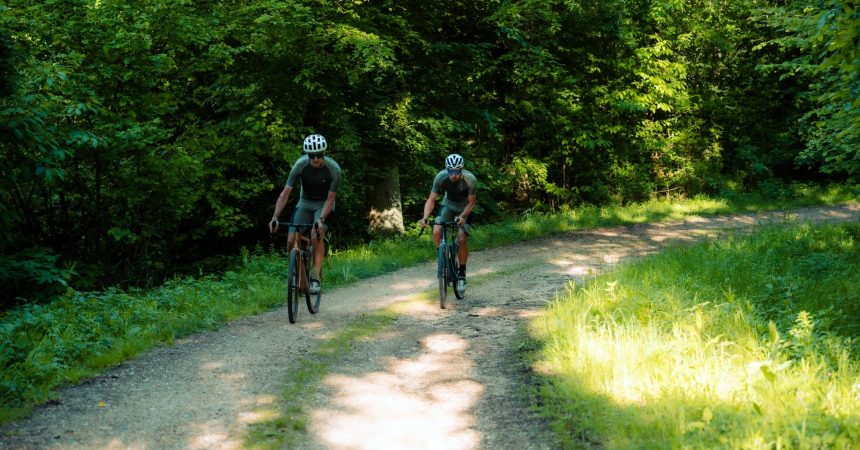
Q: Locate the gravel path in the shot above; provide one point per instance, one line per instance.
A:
(446, 379)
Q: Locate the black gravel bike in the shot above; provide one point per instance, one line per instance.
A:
(447, 263)
(299, 275)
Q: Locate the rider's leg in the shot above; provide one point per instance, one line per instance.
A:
(319, 251)
(463, 245)
(463, 257)
(445, 215)
(463, 250)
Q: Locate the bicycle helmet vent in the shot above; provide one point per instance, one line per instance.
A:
(315, 143)
(454, 161)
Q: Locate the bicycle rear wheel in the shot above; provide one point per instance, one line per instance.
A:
(293, 286)
(313, 300)
(455, 273)
(442, 262)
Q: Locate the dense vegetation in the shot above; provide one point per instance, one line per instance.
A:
(137, 138)
(748, 342)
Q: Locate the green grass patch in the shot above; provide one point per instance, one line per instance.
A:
(745, 343)
(81, 333)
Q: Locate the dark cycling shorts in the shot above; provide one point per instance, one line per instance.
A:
(447, 214)
(304, 213)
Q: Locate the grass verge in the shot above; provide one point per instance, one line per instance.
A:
(745, 343)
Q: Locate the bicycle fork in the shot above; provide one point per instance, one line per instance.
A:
(441, 263)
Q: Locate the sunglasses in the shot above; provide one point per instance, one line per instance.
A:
(315, 155)
(454, 171)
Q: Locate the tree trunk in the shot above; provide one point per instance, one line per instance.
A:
(383, 199)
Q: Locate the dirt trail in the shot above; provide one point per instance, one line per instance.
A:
(446, 379)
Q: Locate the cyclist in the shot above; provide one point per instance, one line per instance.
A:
(460, 189)
(319, 176)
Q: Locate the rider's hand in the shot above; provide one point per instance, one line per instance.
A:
(425, 222)
(273, 225)
(320, 224)
(458, 219)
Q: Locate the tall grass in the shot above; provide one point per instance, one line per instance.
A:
(748, 342)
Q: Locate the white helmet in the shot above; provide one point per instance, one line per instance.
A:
(454, 161)
(315, 143)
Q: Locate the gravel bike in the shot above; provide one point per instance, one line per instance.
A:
(447, 262)
(299, 275)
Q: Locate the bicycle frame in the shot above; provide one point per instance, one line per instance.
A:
(447, 260)
(301, 258)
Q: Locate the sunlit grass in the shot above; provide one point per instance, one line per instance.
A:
(708, 347)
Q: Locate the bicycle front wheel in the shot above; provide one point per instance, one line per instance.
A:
(455, 272)
(293, 286)
(313, 300)
(442, 262)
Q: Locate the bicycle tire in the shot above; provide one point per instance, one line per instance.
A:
(293, 286)
(455, 272)
(442, 265)
(312, 300)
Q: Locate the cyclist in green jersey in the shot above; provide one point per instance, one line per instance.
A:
(460, 189)
(319, 176)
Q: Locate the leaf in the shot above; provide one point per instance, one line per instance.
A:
(707, 415)
(768, 374)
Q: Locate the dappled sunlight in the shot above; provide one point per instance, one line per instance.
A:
(422, 308)
(446, 343)
(422, 402)
(482, 271)
(579, 271)
(648, 365)
(491, 311)
(573, 265)
(117, 444)
(605, 233)
(529, 313)
(696, 219)
(413, 284)
(612, 258)
(412, 297)
(315, 325)
(248, 408)
(259, 416)
(210, 435)
(211, 366)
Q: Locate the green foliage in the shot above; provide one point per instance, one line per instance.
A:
(818, 43)
(834, 126)
(138, 139)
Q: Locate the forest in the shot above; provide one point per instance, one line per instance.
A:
(140, 139)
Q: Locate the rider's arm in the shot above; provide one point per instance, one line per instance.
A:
(300, 164)
(282, 201)
(327, 207)
(472, 200)
(279, 207)
(429, 205)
